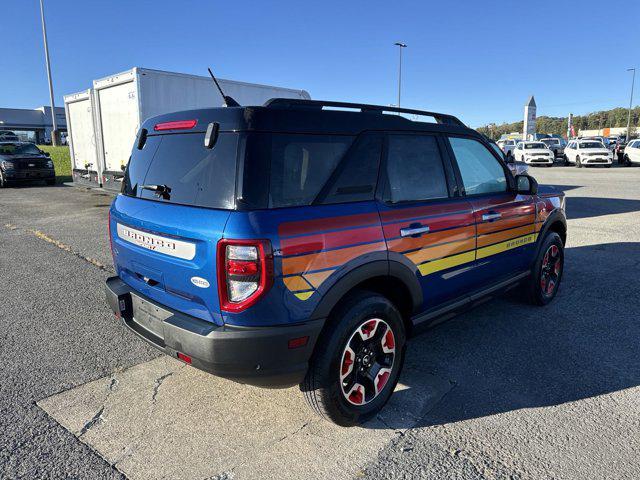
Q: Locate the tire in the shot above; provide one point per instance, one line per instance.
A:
(627, 161)
(566, 161)
(3, 182)
(335, 387)
(548, 267)
(51, 182)
(578, 163)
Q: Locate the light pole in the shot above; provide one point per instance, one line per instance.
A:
(630, 101)
(400, 47)
(54, 136)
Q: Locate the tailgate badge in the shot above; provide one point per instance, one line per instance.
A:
(200, 282)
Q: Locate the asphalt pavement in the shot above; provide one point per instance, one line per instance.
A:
(504, 391)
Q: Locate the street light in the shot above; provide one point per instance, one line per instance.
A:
(400, 47)
(54, 136)
(630, 102)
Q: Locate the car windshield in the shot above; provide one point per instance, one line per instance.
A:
(551, 141)
(532, 146)
(591, 145)
(19, 149)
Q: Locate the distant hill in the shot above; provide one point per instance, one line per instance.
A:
(616, 117)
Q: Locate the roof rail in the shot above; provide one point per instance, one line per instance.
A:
(363, 107)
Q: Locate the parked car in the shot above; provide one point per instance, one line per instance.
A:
(24, 162)
(516, 168)
(282, 244)
(631, 153)
(507, 146)
(534, 153)
(556, 145)
(587, 152)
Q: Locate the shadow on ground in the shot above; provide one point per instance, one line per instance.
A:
(506, 355)
(587, 207)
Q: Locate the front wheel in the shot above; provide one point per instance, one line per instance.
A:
(357, 360)
(547, 271)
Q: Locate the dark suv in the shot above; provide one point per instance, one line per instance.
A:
(300, 242)
(24, 162)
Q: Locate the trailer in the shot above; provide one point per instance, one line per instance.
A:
(79, 108)
(123, 101)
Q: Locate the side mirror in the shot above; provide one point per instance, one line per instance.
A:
(526, 185)
(47, 154)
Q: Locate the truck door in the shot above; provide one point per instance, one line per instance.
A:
(428, 226)
(504, 219)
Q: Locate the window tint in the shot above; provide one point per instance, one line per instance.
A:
(196, 175)
(301, 165)
(481, 172)
(414, 169)
(357, 174)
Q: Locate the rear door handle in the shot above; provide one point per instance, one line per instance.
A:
(490, 217)
(411, 231)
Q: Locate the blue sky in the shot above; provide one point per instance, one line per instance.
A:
(479, 60)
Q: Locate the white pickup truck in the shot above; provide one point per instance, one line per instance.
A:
(507, 146)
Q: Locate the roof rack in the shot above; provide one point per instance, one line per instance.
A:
(363, 107)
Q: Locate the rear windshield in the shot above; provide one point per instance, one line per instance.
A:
(532, 146)
(177, 168)
(551, 141)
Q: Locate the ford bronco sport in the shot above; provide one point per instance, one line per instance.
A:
(300, 242)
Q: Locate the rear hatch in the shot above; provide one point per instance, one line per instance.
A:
(165, 226)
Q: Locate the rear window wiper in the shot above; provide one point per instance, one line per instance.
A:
(163, 191)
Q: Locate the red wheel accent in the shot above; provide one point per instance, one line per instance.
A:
(367, 361)
(550, 270)
(382, 379)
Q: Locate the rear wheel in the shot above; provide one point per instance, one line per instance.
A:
(547, 271)
(357, 360)
(578, 162)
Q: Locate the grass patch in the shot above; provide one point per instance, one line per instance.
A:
(61, 161)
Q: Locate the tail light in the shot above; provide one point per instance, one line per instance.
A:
(245, 272)
(110, 239)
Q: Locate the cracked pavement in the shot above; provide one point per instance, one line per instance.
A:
(503, 391)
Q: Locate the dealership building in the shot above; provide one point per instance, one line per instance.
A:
(32, 125)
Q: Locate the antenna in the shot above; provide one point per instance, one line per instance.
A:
(228, 101)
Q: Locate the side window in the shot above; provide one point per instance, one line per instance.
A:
(356, 177)
(301, 165)
(481, 172)
(414, 169)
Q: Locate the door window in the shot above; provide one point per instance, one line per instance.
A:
(414, 169)
(480, 170)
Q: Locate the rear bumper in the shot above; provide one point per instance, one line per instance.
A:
(253, 355)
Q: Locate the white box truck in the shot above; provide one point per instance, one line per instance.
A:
(125, 100)
(79, 108)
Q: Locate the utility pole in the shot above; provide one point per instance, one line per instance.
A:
(54, 135)
(400, 47)
(630, 101)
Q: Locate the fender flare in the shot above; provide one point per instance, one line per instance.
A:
(556, 215)
(398, 270)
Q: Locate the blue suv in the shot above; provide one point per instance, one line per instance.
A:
(301, 242)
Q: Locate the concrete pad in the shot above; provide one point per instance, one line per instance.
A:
(164, 419)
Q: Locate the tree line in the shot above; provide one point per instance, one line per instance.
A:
(616, 117)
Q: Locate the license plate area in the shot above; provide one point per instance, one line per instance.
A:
(149, 316)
